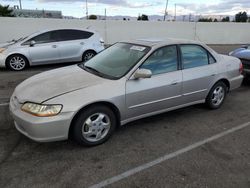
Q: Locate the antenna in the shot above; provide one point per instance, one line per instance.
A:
(166, 11)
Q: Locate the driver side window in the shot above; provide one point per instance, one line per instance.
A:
(163, 60)
(42, 38)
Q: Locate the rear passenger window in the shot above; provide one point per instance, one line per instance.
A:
(69, 34)
(195, 56)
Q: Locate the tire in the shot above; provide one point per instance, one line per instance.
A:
(88, 55)
(216, 96)
(94, 125)
(16, 62)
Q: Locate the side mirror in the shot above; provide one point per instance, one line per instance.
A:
(32, 43)
(142, 73)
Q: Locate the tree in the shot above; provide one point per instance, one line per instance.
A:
(205, 20)
(241, 17)
(215, 20)
(226, 19)
(5, 11)
(93, 17)
(143, 17)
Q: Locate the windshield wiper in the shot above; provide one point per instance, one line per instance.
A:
(15, 41)
(93, 70)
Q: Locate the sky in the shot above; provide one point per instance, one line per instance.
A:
(77, 8)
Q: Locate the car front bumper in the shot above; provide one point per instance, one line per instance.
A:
(2, 60)
(41, 129)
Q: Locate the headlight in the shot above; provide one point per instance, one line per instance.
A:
(41, 110)
(2, 49)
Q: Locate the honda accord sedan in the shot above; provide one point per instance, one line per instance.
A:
(50, 47)
(125, 82)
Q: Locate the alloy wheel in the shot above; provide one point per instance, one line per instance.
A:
(218, 95)
(96, 127)
(17, 63)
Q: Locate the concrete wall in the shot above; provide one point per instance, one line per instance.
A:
(112, 31)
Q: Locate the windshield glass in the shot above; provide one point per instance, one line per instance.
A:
(15, 41)
(116, 60)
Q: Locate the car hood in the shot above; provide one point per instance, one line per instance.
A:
(6, 45)
(51, 84)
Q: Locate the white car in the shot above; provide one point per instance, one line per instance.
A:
(50, 46)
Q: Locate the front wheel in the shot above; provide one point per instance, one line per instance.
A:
(16, 62)
(94, 126)
(88, 55)
(216, 95)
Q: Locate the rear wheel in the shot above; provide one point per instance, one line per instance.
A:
(216, 95)
(94, 126)
(16, 62)
(88, 55)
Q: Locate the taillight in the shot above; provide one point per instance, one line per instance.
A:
(241, 68)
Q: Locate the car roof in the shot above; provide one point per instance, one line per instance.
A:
(54, 29)
(151, 42)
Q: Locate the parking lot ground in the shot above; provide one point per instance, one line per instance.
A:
(224, 162)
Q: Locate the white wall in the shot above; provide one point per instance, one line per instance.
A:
(113, 31)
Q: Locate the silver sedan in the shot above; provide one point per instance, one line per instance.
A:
(126, 82)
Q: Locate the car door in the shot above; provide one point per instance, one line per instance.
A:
(199, 71)
(45, 49)
(72, 44)
(162, 90)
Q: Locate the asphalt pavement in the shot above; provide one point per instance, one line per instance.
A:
(190, 147)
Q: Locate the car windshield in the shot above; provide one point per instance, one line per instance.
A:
(17, 40)
(116, 61)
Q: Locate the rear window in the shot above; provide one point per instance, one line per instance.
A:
(69, 34)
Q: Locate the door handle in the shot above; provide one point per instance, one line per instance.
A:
(213, 75)
(54, 46)
(82, 43)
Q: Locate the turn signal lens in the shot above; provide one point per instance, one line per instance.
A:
(2, 50)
